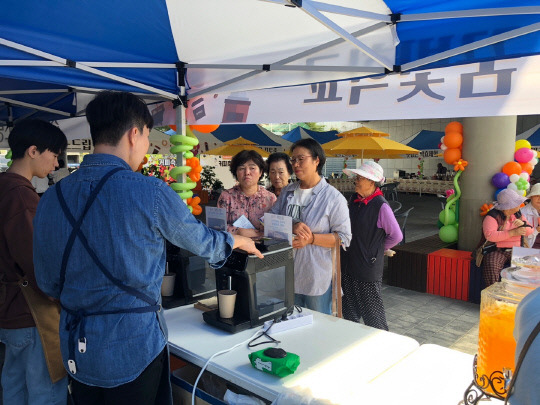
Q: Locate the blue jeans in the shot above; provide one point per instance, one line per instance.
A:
(25, 377)
(319, 303)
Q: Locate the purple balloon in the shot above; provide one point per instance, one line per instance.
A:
(500, 180)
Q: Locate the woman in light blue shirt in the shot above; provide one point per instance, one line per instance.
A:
(318, 211)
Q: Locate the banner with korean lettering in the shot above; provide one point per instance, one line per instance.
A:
(495, 88)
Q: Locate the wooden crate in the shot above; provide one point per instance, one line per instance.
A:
(408, 268)
(448, 273)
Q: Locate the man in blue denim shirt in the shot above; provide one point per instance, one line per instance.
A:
(108, 274)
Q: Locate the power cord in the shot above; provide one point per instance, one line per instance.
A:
(261, 331)
(264, 333)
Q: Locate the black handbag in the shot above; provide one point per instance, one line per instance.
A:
(484, 249)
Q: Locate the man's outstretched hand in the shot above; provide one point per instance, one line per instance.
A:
(247, 244)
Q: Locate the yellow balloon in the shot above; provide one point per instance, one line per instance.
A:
(522, 143)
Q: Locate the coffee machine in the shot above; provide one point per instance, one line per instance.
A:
(194, 279)
(264, 287)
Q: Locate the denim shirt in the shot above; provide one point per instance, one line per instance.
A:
(126, 226)
(326, 212)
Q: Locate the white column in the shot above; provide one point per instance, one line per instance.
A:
(488, 143)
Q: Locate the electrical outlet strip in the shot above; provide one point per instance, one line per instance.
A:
(293, 321)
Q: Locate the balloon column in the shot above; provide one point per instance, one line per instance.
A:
(451, 144)
(9, 154)
(515, 175)
(183, 144)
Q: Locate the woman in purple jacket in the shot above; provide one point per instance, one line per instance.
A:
(374, 232)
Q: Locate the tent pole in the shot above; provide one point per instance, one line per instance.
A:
(181, 129)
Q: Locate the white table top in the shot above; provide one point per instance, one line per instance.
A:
(333, 353)
(430, 375)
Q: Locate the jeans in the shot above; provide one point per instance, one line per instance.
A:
(319, 303)
(25, 377)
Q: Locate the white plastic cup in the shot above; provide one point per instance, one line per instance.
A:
(226, 301)
(167, 286)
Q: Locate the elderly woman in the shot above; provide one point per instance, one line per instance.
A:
(279, 171)
(374, 232)
(532, 213)
(318, 211)
(505, 226)
(246, 198)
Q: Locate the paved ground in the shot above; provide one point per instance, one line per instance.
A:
(425, 317)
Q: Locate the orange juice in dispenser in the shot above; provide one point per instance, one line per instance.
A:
(496, 344)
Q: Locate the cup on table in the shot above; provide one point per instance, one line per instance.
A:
(226, 301)
(167, 286)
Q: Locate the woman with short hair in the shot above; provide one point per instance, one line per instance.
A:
(246, 198)
(318, 211)
(279, 170)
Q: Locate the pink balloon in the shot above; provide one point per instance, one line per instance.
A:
(524, 155)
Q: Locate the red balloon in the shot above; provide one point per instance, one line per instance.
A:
(511, 168)
(452, 155)
(204, 128)
(173, 127)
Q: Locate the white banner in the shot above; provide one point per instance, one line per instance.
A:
(496, 88)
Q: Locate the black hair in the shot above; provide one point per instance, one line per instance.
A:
(61, 163)
(315, 150)
(41, 134)
(246, 155)
(277, 157)
(112, 113)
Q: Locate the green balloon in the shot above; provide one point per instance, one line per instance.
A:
(9, 154)
(448, 233)
(439, 224)
(451, 217)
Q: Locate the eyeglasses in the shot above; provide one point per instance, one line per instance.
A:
(300, 159)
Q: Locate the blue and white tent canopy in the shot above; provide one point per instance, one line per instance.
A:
(302, 133)
(532, 135)
(165, 48)
(424, 140)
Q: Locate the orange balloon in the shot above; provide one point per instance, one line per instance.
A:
(194, 176)
(173, 127)
(204, 128)
(197, 210)
(511, 168)
(452, 155)
(454, 126)
(527, 167)
(196, 200)
(453, 139)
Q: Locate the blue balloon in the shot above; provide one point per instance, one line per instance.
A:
(500, 180)
(497, 193)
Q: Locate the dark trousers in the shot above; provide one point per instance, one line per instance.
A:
(363, 300)
(141, 391)
(492, 265)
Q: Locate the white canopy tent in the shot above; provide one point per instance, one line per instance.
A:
(182, 50)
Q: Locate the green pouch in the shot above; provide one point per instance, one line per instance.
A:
(280, 367)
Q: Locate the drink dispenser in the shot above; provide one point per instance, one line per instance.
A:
(496, 344)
